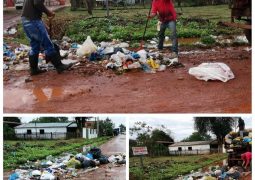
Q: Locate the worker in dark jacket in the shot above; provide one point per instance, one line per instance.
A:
(38, 36)
(166, 13)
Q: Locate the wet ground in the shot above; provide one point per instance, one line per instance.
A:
(111, 172)
(90, 90)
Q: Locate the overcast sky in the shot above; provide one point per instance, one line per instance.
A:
(117, 120)
(181, 126)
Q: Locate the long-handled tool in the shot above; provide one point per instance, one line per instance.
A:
(142, 41)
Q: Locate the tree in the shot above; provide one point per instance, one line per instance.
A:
(8, 126)
(196, 136)
(80, 121)
(49, 120)
(219, 126)
(122, 128)
(160, 135)
(106, 127)
(148, 136)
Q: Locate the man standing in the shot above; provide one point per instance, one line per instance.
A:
(167, 16)
(38, 36)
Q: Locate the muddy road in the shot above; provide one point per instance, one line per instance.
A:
(172, 91)
(109, 171)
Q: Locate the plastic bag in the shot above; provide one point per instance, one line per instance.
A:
(212, 71)
(143, 56)
(87, 48)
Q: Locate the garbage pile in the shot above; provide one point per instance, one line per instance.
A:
(115, 55)
(215, 173)
(66, 166)
(112, 55)
(234, 140)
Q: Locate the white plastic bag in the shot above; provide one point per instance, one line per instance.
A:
(86, 48)
(143, 56)
(212, 71)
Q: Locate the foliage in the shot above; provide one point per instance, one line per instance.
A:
(196, 136)
(49, 120)
(106, 127)
(122, 128)
(159, 135)
(170, 167)
(148, 136)
(219, 126)
(19, 152)
(129, 24)
(8, 126)
(208, 40)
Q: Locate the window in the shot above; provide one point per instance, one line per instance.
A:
(190, 148)
(29, 131)
(41, 131)
(179, 148)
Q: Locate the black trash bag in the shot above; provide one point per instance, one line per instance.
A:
(96, 152)
(103, 160)
(123, 161)
(88, 163)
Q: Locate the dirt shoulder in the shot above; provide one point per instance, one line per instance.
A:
(172, 91)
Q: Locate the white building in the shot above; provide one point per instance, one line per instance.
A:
(89, 130)
(195, 147)
(61, 130)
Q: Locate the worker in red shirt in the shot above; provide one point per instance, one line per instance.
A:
(246, 157)
(166, 13)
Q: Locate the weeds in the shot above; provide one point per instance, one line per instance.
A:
(19, 152)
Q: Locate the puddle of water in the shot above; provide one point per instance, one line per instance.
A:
(16, 98)
(46, 94)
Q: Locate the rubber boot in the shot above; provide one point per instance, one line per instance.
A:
(57, 49)
(33, 62)
(56, 61)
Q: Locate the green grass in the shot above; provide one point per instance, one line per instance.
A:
(19, 152)
(170, 167)
(128, 25)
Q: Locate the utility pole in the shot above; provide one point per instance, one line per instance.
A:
(97, 126)
(107, 7)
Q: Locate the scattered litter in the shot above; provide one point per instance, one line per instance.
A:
(241, 39)
(66, 165)
(11, 31)
(111, 55)
(212, 71)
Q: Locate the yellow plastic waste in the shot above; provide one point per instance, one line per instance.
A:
(72, 163)
(152, 63)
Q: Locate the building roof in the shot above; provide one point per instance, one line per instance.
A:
(191, 143)
(46, 125)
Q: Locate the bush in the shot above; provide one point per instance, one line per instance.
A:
(208, 40)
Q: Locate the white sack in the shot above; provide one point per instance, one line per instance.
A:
(212, 71)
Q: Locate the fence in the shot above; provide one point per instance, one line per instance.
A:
(193, 152)
(38, 136)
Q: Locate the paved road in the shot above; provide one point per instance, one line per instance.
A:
(109, 171)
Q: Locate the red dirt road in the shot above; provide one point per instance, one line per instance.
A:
(172, 91)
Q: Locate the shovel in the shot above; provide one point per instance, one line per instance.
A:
(142, 41)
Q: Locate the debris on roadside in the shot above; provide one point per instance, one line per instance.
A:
(67, 166)
(215, 173)
(114, 55)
